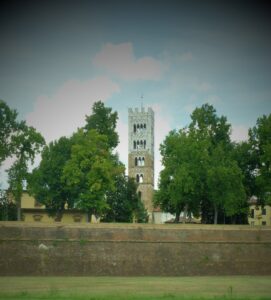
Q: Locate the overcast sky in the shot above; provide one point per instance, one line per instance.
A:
(58, 57)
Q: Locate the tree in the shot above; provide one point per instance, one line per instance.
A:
(104, 121)
(21, 142)
(8, 128)
(260, 140)
(247, 162)
(45, 181)
(180, 184)
(28, 142)
(89, 173)
(124, 203)
(224, 184)
(8, 210)
(200, 174)
(207, 124)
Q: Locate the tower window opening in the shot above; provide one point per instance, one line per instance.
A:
(137, 178)
(137, 126)
(141, 126)
(134, 127)
(143, 161)
(144, 144)
(141, 178)
(139, 161)
(134, 144)
(136, 161)
(144, 126)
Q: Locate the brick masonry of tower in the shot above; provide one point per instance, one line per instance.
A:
(141, 153)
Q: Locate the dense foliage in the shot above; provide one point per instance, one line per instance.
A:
(22, 143)
(205, 173)
(82, 172)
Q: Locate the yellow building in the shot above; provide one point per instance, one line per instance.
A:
(259, 215)
(33, 211)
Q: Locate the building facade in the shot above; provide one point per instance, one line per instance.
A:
(141, 153)
(33, 211)
(258, 215)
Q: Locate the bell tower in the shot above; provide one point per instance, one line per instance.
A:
(141, 153)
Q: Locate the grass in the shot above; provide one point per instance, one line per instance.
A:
(135, 288)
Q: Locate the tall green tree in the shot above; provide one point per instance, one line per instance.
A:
(28, 143)
(181, 181)
(45, 181)
(207, 124)
(8, 130)
(89, 173)
(199, 172)
(104, 121)
(8, 210)
(224, 184)
(247, 162)
(260, 140)
(124, 203)
(21, 142)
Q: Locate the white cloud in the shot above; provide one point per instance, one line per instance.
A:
(239, 133)
(63, 112)
(119, 60)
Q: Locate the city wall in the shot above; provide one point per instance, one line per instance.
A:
(133, 250)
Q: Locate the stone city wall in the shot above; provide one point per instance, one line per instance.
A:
(133, 250)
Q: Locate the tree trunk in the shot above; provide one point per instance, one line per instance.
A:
(59, 215)
(185, 213)
(177, 217)
(19, 214)
(89, 215)
(216, 214)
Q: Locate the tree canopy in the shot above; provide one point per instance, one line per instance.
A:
(200, 175)
(260, 141)
(104, 121)
(83, 172)
(45, 181)
(21, 142)
(89, 173)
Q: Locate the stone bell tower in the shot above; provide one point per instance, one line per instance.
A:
(141, 153)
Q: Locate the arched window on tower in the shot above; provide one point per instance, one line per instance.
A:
(141, 126)
(144, 144)
(141, 178)
(134, 128)
(134, 144)
(137, 143)
(139, 161)
(136, 161)
(137, 126)
(137, 178)
(143, 161)
(144, 126)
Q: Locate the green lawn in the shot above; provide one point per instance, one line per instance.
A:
(146, 288)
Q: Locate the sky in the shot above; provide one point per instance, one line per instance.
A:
(58, 57)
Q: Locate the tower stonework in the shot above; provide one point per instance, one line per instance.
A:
(141, 153)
